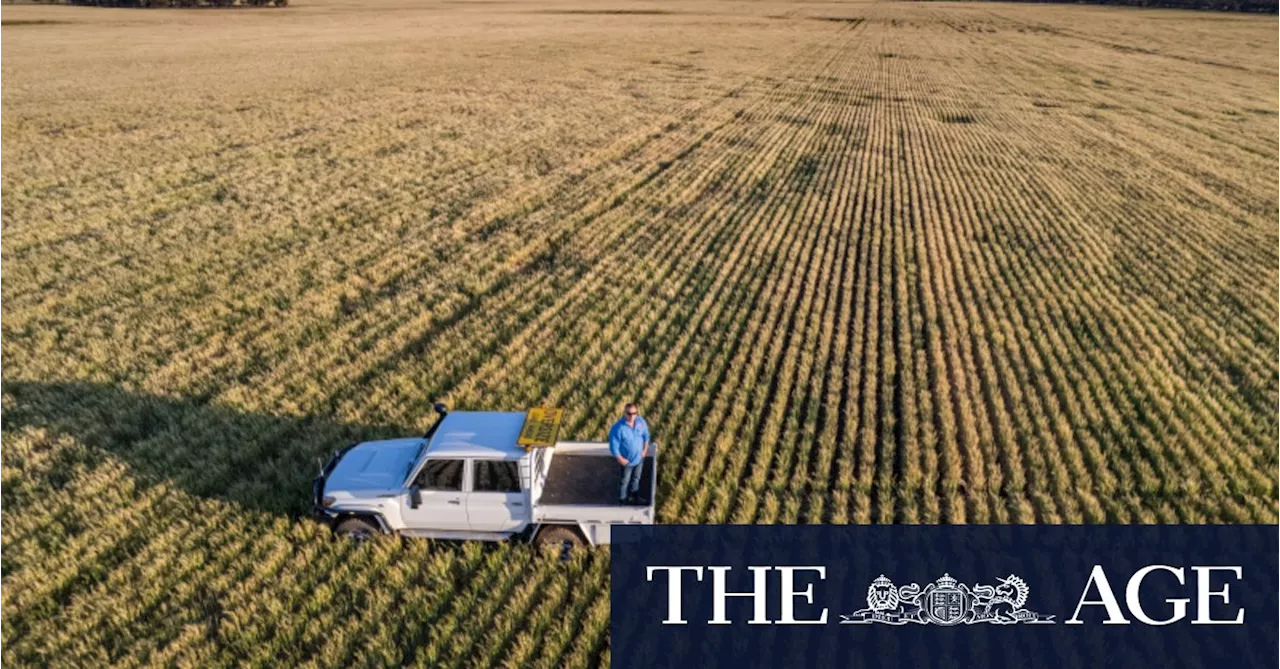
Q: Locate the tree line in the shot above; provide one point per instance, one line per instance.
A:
(1260, 6)
(175, 3)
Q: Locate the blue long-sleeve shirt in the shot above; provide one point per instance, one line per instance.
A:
(628, 441)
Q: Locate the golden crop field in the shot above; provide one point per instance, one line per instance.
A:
(879, 262)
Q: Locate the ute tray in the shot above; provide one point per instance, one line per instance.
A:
(591, 480)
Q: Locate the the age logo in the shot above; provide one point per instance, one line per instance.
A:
(946, 602)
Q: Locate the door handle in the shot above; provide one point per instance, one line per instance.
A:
(517, 504)
(455, 501)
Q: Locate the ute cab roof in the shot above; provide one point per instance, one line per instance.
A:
(478, 434)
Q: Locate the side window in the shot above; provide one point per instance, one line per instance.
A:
(496, 476)
(441, 475)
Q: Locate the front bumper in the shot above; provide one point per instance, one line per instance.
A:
(318, 509)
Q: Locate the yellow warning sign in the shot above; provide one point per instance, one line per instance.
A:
(541, 427)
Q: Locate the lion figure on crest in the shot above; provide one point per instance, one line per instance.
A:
(882, 595)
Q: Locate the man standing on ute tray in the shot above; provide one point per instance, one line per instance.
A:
(629, 444)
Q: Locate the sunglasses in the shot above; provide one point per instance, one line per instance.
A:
(633, 413)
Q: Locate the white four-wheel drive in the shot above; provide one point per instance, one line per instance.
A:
(470, 477)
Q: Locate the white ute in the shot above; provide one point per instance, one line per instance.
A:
(469, 478)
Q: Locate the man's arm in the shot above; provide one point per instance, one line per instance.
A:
(615, 446)
(644, 447)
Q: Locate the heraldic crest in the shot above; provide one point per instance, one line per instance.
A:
(947, 602)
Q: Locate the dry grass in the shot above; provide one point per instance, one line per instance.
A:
(860, 263)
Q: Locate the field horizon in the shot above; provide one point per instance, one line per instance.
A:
(858, 262)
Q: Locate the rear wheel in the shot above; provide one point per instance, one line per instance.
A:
(356, 529)
(565, 538)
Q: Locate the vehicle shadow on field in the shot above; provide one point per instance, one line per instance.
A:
(258, 461)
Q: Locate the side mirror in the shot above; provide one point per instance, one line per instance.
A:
(415, 497)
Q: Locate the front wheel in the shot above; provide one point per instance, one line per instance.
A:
(356, 529)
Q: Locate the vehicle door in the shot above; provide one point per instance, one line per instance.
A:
(496, 501)
(441, 499)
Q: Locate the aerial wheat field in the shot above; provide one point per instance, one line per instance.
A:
(880, 262)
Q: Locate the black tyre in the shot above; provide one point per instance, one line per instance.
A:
(566, 538)
(357, 529)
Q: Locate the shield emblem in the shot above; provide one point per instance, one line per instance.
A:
(946, 606)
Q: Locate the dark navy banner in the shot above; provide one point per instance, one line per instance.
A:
(913, 596)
